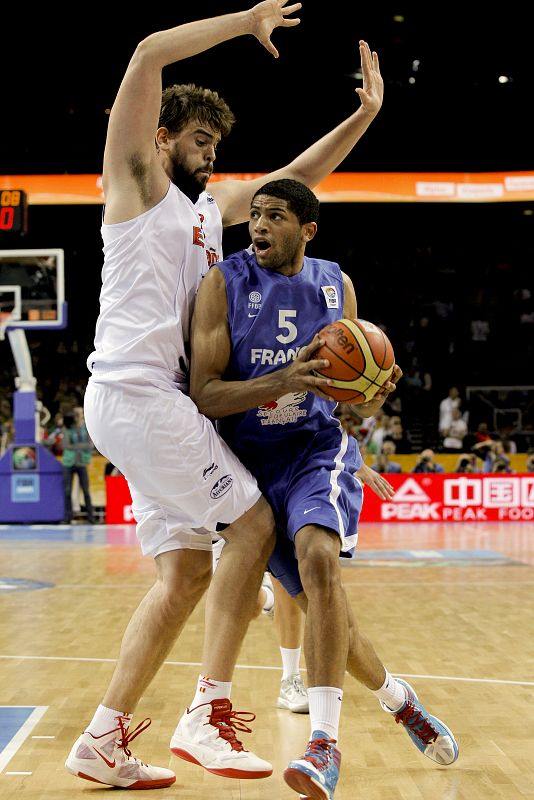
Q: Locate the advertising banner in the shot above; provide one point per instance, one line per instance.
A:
(453, 497)
(442, 497)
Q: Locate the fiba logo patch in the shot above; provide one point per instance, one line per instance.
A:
(222, 486)
(254, 303)
(331, 296)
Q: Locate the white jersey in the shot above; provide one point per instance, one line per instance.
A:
(153, 266)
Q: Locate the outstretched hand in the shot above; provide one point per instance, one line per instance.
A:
(375, 481)
(271, 14)
(371, 93)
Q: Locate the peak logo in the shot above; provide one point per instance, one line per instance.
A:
(410, 501)
(411, 492)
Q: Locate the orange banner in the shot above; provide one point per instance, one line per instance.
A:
(339, 187)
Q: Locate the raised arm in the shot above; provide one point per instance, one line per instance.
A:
(211, 347)
(322, 157)
(133, 180)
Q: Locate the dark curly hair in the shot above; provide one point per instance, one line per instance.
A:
(300, 200)
(182, 103)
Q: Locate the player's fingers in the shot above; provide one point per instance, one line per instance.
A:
(397, 374)
(270, 47)
(306, 352)
(289, 9)
(317, 364)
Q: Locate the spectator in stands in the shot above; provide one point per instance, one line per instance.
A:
(377, 428)
(467, 462)
(530, 461)
(77, 454)
(510, 447)
(492, 454)
(501, 464)
(53, 438)
(426, 462)
(482, 433)
(397, 435)
(455, 433)
(453, 400)
(381, 462)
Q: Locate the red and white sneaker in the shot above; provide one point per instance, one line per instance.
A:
(107, 759)
(206, 735)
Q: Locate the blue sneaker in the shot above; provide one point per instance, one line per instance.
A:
(316, 774)
(428, 733)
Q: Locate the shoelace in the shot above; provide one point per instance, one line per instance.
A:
(319, 752)
(127, 736)
(298, 685)
(228, 722)
(414, 719)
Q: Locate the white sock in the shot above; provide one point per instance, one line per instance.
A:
(105, 720)
(325, 709)
(290, 661)
(392, 693)
(208, 690)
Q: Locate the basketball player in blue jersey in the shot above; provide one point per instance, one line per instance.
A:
(253, 342)
(161, 231)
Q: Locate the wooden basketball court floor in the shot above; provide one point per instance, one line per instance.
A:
(448, 606)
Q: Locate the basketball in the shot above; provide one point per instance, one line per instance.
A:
(361, 359)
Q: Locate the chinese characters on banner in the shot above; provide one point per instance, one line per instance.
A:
(453, 498)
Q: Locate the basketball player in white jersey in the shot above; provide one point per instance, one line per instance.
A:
(161, 231)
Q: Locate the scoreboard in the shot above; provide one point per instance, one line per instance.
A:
(13, 211)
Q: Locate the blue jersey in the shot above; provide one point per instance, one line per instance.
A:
(304, 461)
(271, 317)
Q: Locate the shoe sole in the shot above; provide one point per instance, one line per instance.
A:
(164, 783)
(230, 772)
(449, 732)
(304, 784)
(455, 747)
(295, 709)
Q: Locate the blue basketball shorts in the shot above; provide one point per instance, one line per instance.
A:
(313, 486)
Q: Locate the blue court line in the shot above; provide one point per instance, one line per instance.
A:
(16, 724)
(78, 534)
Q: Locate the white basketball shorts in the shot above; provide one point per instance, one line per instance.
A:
(183, 478)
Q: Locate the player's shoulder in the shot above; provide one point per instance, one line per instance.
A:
(325, 266)
(237, 263)
(206, 199)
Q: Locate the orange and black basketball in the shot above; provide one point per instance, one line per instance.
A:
(361, 359)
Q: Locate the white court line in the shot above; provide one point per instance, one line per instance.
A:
(415, 584)
(270, 669)
(18, 739)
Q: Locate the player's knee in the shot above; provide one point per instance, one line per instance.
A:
(255, 532)
(186, 587)
(318, 565)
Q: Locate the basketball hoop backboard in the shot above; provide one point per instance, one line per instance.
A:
(32, 289)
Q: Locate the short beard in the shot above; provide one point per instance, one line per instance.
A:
(189, 183)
